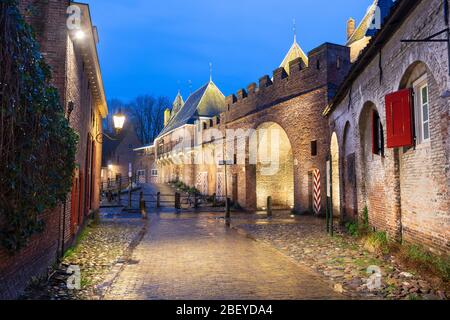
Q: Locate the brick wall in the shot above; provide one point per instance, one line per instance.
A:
(48, 19)
(295, 103)
(407, 191)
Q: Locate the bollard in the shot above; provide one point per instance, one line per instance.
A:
(269, 207)
(129, 193)
(158, 200)
(227, 208)
(119, 190)
(177, 201)
(109, 196)
(214, 200)
(195, 200)
(142, 206)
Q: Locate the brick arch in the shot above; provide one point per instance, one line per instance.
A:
(428, 186)
(335, 151)
(274, 120)
(278, 184)
(414, 70)
(348, 175)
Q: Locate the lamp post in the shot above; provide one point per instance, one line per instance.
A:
(224, 163)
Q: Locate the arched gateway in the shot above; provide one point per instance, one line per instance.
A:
(275, 167)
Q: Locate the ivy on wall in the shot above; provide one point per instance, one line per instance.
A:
(37, 146)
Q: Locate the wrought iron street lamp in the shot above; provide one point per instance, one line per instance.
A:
(119, 121)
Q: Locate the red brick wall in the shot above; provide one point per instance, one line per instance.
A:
(49, 22)
(407, 191)
(15, 271)
(295, 103)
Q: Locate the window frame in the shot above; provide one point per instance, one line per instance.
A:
(419, 123)
(377, 134)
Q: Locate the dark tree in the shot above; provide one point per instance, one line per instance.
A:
(37, 146)
(147, 116)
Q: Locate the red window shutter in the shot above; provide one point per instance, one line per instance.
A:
(399, 120)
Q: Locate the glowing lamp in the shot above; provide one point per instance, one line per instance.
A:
(119, 121)
(79, 35)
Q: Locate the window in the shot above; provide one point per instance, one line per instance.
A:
(154, 173)
(422, 110)
(425, 113)
(377, 134)
(313, 148)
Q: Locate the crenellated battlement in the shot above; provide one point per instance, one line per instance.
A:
(328, 64)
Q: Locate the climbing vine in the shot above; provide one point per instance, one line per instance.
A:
(37, 146)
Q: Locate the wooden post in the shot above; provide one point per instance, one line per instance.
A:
(130, 185)
(119, 190)
(195, 200)
(142, 205)
(158, 200)
(227, 208)
(214, 200)
(177, 201)
(269, 207)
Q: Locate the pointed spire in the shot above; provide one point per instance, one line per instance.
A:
(294, 52)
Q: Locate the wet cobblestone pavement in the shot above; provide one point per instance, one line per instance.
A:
(100, 250)
(341, 259)
(197, 257)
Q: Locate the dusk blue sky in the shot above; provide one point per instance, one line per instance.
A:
(148, 46)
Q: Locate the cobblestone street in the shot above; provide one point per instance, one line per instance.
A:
(342, 259)
(198, 257)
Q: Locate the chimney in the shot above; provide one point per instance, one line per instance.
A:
(167, 116)
(350, 27)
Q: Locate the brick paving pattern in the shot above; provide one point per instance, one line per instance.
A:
(197, 257)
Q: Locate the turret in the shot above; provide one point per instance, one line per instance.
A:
(167, 116)
(177, 104)
(351, 25)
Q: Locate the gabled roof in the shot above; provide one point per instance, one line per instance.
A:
(208, 101)
(294, 52)
(400, 11)
(362, 30)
